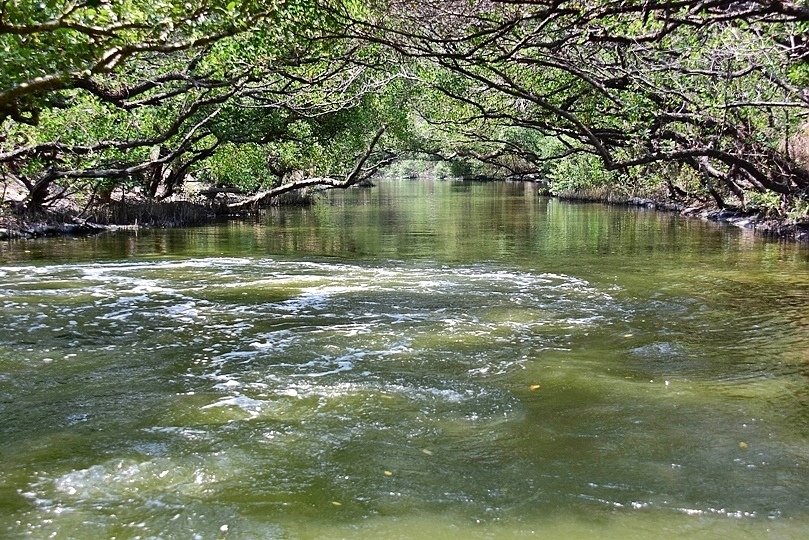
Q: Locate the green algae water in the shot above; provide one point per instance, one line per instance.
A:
(418, 360)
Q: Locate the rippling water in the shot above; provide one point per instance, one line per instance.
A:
(422, 360)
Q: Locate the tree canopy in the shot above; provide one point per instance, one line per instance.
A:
(700, 100)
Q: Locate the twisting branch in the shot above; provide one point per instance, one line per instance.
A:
(357, 174)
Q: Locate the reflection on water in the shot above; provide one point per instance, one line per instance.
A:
(413, 361)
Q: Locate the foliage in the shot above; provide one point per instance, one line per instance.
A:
(243, 166)
(577, 172)
(711, 86)
(165, 86)
(696, 100)
(413, 169)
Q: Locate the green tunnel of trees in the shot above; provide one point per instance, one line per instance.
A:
(692, 100)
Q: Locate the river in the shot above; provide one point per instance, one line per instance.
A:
(417, 360)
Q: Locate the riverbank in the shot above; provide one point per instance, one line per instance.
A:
(780, 228)
(13, 227)
(19, 223)
(127, 212)
(132, 215)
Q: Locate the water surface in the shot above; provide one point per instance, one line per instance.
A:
(419, 360)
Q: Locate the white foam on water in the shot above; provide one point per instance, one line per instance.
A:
(229, 384)
(448, 395)
(128, 481)
(185, 432)
(376, 387)
(251, 406)
(184, 312)
(120, 315)
(277, 341)
(241, 357)
(592, 320)
(331, 290)
(338, 365)
(351, 330)
(308, 301)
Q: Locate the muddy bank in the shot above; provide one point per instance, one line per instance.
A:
(132, 213)
(16, 227)
(17, 222)
(776, 227)
(781, 228)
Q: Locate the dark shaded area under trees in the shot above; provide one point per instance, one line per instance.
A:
(105, 104)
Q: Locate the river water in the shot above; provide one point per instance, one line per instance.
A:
(418, 360)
